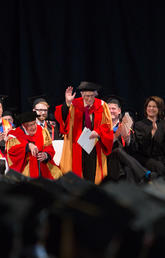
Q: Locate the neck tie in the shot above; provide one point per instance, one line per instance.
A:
(87, 118)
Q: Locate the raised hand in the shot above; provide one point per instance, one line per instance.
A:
(69, 95)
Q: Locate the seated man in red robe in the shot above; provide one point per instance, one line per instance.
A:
(75, 114)
(30, 150)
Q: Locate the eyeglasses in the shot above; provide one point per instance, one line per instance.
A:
(89, 96)
(41, 110)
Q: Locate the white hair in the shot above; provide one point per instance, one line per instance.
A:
(83, 93)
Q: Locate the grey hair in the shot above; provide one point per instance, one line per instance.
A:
(83, 93)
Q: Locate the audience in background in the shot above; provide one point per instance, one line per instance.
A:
(148, 144)
(30, 150)
(122, 166)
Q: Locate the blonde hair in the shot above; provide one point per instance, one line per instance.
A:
(44, 103)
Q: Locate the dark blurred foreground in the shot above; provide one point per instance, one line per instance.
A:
(73, 218)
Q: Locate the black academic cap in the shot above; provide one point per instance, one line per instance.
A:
(6, 183)
(88, 86)
(50, 186)
(16, 176)
(66, 187)
(115, 100)
(73, 184)
(156, 190)
(95, 217)
(37, 99)
(7, 113)
(10, 111)
(146, 210)
(12, 212)
(41, 197)
(26, 117)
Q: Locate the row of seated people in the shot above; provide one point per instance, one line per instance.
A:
(142, 149)
(31, 141)
(122, 150)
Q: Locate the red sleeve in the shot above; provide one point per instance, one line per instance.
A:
(16, 152)
(64, 126)
(50, 150)
(106, 138)
(105, 131)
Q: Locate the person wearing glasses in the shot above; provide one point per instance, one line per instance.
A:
(29, 149)
(73, 116)
(41, 107)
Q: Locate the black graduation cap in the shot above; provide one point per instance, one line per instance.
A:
(12, 213)
(37, 99)
(73, 184)
(147, 211)
(50, 186)
(115, 100)
(94, 216)
(88, 86)
(122, 103)
(66, 187)
(7, 113)
(156, 190)
(41, 197)
(26, 117)
(10, 111)
(16, 176)
(39, 200)
(6, 183)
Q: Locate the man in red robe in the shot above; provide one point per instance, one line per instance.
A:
(75, 114)
(30, 150)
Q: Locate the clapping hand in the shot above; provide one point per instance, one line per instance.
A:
(154, 128)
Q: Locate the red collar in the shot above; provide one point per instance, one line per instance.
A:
(79, 104)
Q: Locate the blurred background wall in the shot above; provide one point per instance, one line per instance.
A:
(47, 45)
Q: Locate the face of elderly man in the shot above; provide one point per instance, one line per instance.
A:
(89, 97)
(31, 127)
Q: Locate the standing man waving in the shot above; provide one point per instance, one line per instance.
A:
(75, 114)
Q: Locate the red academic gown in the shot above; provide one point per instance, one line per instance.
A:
(71, 159)
(21, 160)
